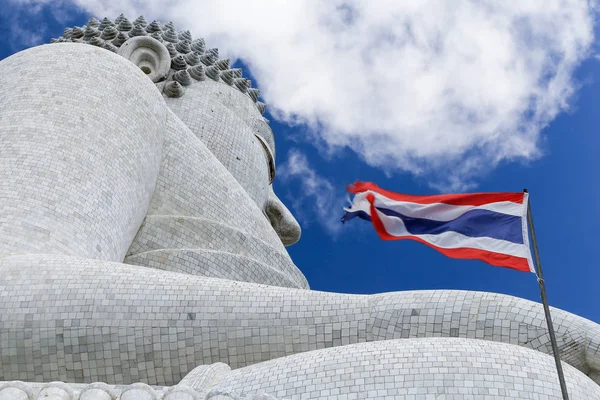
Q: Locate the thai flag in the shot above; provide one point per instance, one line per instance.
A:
(490, 227)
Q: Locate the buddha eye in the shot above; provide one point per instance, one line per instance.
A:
(270, 158)
(264, 134)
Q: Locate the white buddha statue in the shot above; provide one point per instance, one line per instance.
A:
(142, 246)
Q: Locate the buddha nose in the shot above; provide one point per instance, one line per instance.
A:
(282, 220)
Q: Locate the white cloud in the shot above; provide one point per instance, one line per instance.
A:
(316, 198)
(444, 89)
(20, 37)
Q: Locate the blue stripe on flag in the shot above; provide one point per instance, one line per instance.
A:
(474, 223)
(348, 215)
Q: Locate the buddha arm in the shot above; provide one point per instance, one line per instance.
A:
(79, 153)
(86, 320)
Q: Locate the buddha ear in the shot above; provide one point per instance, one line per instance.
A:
(149, 54)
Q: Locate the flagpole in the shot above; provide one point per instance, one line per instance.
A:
(540, 279)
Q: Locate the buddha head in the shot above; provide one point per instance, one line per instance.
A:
(195, 81)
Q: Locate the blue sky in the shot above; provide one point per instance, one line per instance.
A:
(563, 195)
(552, 151)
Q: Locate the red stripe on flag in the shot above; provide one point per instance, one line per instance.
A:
(490, 257)
(466, 199)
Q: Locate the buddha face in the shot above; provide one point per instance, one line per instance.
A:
(199, 87)
(241, 139)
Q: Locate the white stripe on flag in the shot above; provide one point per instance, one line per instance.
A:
(525, 230)
(434, 211)
(360, 203)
